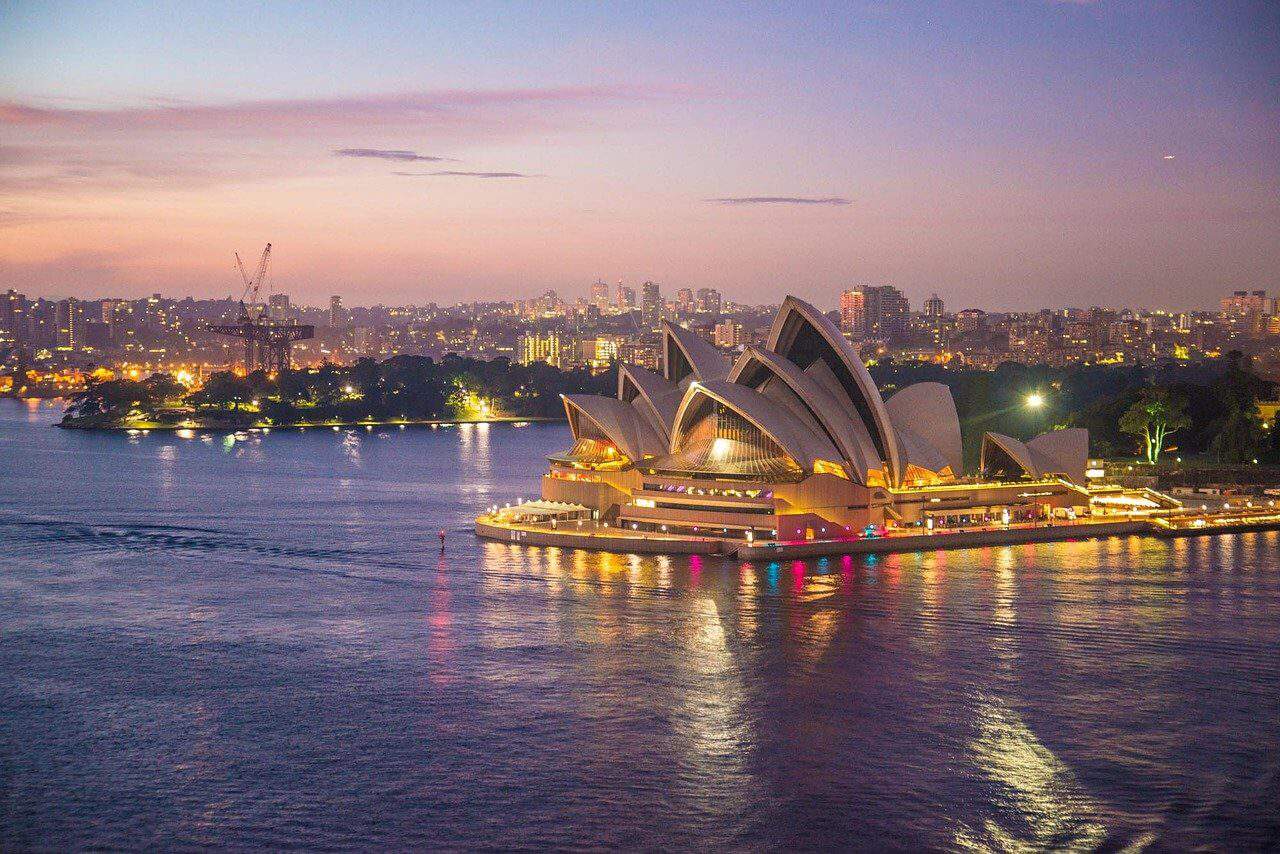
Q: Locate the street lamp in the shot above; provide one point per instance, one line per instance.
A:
(1035, 400)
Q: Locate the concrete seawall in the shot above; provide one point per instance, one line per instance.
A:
(933, 542)
(529, 535)
(601, 542)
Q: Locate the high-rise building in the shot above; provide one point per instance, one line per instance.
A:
(540, 348)
(853, 311)
(626, 297)
(13, 310)
(1241, 303)
(550, 304)
(68, 324)
(640, 353)
(337, 314)
(709, 301)
(874, 310)
(934, 306)
(600, 294)
(684, 300)
(111, 311)
(650, 303)
(278, 306)
(971, 320)
(598, 352)
(728, 334)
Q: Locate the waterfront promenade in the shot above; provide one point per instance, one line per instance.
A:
(586, 534)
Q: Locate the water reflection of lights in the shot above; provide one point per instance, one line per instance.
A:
(351, 447)
(441, 643)
(892, 572)
(1042, 805)
(1004, 642)
(771, 575)
(933, 576)
(664, 573)
(168, 457)
(710, 715)
(475, 457)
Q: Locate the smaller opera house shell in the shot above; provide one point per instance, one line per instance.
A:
(794, 441)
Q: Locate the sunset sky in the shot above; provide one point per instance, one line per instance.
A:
(1005, 155)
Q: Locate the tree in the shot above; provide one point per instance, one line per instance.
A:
(110, 398)
(222, 389)
(1237, 434)
(162, 388)
(1156, 413)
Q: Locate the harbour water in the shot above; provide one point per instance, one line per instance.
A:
(211, 642)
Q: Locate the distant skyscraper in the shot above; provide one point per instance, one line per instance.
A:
(651, 303)
(626, 297)
(278, 306)
(934, 306)
(337, 314)
(853, 311)
(874, 310)
(13, 312)
(600, 295)
(684, 300)
(68, 324)
(709, 301)
(1242, 303)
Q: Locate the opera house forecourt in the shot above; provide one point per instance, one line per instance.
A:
(791, 449)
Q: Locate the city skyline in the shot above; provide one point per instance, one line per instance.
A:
(1117, 153)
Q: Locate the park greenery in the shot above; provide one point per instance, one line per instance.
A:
(402, 388)
(1206, 410)
(1155, 416)
(1208, 413)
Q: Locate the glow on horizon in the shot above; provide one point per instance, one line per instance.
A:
(398, 155)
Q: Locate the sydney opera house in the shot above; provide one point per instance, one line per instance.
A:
(793, 441)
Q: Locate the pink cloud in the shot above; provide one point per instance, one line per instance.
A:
(62, 148)
(447, 108)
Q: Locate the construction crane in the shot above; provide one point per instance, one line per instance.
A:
(253, 286)
(268, 341)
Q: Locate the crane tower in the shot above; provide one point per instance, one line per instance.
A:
(268, 341)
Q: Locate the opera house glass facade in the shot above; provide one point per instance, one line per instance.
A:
(793, 441)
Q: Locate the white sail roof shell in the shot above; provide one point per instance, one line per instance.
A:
(1058, 452)
(802, 445)
(656, 398)
(928, 411)
(796, 314)
(1062, 452)
(706, 362)
(629, 431)
(840, 423)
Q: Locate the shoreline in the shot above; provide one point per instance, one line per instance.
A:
(305, 425)
(622, 542)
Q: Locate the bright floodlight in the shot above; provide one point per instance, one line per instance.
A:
(1035, 400)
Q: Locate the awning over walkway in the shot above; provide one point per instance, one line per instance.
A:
(544, 511)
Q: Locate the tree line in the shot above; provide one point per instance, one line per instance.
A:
(406, 387)
(1206, 408)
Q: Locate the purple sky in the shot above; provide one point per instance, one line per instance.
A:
(1006, 155)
